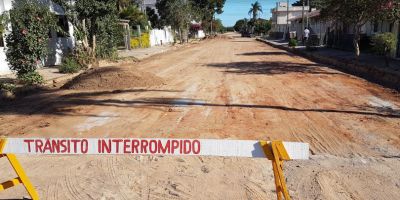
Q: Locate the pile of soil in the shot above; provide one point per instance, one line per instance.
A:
(113, 78)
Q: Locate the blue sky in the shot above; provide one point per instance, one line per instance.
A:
(238, 9)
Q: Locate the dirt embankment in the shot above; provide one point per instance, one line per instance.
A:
(113, 78)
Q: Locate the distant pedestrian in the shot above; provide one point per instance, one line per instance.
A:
(306, 34)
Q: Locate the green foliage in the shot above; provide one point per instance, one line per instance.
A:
(27, 43)
(30, 78)
(107, 34)
(8, 87)
(179, 12)
(69, 65)
(241, 25)
(141, 42)
(259, 25)
(255, 9)
(355, 13)
(2, 19)
(384, 43)
(230, 29)
(313, 3)
(218, 26)
(389, 11)
(154, 19)
(292, 42)
(135, 16)
(262, 26)
(101, 23)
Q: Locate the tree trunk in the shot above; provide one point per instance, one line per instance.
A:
(85, 37)
(211, 24)
(180, 35)
(356, 40)
(94, 45)
(387, 57)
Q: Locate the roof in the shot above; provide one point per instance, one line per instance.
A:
(312, 14)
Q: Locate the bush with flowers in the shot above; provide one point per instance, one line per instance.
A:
(27, 41)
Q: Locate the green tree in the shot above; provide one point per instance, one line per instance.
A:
(27, 42)
(353, 13)
(262, 26)
(2, 24)
(390, 11)
(219, 27)
(134, 15)
(154, 18)
(241, 25)
(206, 10)
(95, 23)
(313, 3)
(255, 10)
(122, 4)
(177, 13)
(100, 18)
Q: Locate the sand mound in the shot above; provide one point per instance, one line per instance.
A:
(115, 78)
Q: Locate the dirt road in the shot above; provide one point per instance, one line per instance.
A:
(231, 88)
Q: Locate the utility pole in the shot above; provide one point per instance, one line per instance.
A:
(302, 21)
(287, 19)
(309, 9)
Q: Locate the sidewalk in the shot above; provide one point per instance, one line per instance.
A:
(51, 74)
(369, 66)
(143, 53)
(367, 59)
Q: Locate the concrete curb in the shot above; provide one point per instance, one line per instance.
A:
(374, 74)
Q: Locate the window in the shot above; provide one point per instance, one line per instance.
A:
(63, 24)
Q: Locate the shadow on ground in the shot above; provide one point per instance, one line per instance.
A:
(271, 68)
(265, 53)
(64, 105)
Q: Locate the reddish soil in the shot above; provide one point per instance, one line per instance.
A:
(113, 78)
(230, 88)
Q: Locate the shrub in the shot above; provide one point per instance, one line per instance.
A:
(292, 42)
(384, 44)
(27, 42)
(8, 87)
(30, 78)
(69, 65)
(141, 42)
(83, 57)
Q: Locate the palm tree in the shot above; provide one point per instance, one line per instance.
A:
(255, 9)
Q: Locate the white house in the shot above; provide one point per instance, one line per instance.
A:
(321, 29)
(59, 43)
(280, 14)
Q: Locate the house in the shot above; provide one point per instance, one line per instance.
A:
(339, 36)
(143, 4)
(317, 26)
(280, 15)
(59, 43)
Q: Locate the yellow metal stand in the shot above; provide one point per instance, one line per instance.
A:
(22, 178)
(276, 152)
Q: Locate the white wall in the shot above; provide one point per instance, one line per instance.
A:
(200, 34)
(161, 36)
(5, 5)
